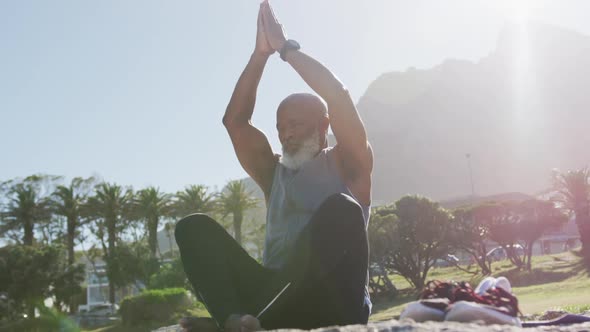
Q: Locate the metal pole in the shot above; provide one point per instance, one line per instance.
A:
(468, 156)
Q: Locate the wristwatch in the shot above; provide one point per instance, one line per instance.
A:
(290, 45)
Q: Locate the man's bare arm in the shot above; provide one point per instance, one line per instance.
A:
(346, 123)
(344, 119)
(251, 145)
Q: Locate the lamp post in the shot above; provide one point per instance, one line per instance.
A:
(468, 156)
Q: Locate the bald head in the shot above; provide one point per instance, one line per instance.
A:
(304, 102)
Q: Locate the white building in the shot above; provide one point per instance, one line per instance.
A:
(97, 289)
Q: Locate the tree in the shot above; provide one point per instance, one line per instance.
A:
(133, 264)
(419, 237)
(170, 275)
(503, 224)
(470, 234)
(235, 200)
(573, 192)
(69, 201)
(30, 274)
(150, 206)
(381, 231)
(255, 234)
(169, 228)
(535, 218)
(109, 207)
(27, 206)
(193, 199)
(511, 224)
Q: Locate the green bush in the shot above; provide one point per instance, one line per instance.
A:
(168, 276)
(154, 305)
(49, 320)
(29, 274)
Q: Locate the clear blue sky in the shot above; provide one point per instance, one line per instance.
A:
(135, 90)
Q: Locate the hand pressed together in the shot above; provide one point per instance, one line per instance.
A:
(275, 34)
(263, 47)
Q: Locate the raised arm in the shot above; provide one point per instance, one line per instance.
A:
(251, 145)
(352, 148)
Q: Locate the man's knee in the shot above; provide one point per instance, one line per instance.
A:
(342, 207)
(193, 226)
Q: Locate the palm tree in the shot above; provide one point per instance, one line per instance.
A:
(169, 227)
(109, 207)
(150, 205)
(193, 199)
(235, 200)
(573, 189)
(69, 202)
(27, 206)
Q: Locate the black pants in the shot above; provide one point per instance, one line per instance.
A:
(326, 271)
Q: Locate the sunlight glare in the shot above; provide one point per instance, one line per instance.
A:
(517, 11)
(521, 10)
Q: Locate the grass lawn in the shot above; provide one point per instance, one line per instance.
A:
(556, 281)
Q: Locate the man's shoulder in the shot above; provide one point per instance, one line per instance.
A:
(358, 181)
(353, 166)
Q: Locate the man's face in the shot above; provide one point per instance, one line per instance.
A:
(295, 126)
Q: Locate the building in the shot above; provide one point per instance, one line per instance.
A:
(96, 287)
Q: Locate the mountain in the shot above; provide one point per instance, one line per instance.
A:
(519, 112)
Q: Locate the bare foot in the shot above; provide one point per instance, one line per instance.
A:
(245, 323)
(250, 323)
(232, 323)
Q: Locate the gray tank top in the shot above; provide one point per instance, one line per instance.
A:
(295, 195)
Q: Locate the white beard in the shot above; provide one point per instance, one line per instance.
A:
(308, 150)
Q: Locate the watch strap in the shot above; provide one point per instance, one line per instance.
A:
(290, 45)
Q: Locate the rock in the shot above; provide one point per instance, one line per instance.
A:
(552, 314)
(410, 326)
(172, 328)
(528, 317)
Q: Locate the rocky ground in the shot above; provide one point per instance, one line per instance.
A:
(410, 326)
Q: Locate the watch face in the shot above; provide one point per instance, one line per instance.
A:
(289, 45)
